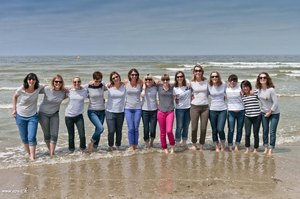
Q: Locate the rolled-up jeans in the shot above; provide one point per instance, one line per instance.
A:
(79, 122)
(27, 128)
(97, 118)
(183, 119)
(269, 125)
(235, 117)
(217, 122)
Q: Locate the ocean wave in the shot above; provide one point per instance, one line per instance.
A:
(251, 64)
(6, 106)
(178, 69)
(8, 88)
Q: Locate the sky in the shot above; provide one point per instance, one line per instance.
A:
(149, 27)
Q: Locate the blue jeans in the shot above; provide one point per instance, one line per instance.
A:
(149, 122)
(238, 118)
(133, 117)
(269, 124)
(27, 128)
(79, 122)
(217, 121)
(183, 119)
(97, 118)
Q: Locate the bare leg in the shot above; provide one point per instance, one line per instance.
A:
(266, 150)
(236, 147)
(52, 149)
(194, 147)
(270, 152)
(230, 148)
(222, 146)
(217, 147)
(32, 152)
(91, 147)
(166, 151)
(247, 150)
(255, 151)
(201, 147)
(26, 147)
(172, 149)
(151, 142)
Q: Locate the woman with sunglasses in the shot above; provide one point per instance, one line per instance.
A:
(115, 110)
(236, 111)
(149, 110)
(182, 95)
(270, 112)
(199, 106)
(49, 111)
(133, 107)
(25, 112)
(165, 113)
(217, 109)
(96, 108)
(73, 113)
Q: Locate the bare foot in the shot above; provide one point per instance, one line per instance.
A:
(217, 148)
(194, 147)
(110, 148)
(255, 151)
(172, 149)
(236, 148)
(270, 152)
(166, 151)
(247, 151)
(230, 148)
(151, 142)
(91, 147)
(266, 151)
(222, 147)
(147, 145)
(201, 147)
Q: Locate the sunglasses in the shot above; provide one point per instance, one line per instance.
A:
(31, 79)
(76, 82)
(57, 81)
(179, 76)
(263, 77)
(165, 80)
(148, 79)
(115, 77)
(214, 76)
(197, 71)
(135, 75)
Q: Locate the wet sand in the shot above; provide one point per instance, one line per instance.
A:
(188, 174)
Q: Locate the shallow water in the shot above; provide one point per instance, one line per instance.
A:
(285, 72)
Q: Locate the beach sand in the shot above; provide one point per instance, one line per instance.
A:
(188, 174)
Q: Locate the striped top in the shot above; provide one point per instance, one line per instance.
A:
(252, 107)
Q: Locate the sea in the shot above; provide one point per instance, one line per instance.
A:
(284, 70)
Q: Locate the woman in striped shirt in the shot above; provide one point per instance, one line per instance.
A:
(252, 115)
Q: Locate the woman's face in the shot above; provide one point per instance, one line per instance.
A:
(57, 83)
(198, 72)
(77, 83)
(134, 76)
(215, 78)
(115, 78)
(148, 82)
(246, 89)
(31, 81)
(263, 78)
(232, 83)
(179, 78)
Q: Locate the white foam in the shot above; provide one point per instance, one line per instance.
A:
(8, 88)
(253, 64)
(178, 69)
(6, 106)
(293, 75)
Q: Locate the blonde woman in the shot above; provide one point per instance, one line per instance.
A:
(49, 111)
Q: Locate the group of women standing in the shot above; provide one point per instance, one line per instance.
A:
(200, 99)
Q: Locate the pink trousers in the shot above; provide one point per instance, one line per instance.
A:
(165, 121)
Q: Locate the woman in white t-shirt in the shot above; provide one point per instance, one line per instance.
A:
(25, 112)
